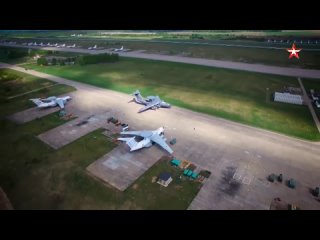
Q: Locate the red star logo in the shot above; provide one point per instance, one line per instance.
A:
(293, 51)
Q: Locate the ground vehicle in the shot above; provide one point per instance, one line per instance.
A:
(125, 127)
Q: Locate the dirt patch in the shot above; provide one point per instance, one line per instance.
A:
(227, 184)
(135, 186)
(154, 179)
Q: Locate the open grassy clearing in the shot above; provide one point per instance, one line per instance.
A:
(236, 95)
(13, 83)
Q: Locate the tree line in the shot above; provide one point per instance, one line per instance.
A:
(81, 60)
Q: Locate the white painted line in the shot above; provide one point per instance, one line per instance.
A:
(247, 180)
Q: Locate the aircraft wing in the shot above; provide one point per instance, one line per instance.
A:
(159, 140)
(149, 105)
(135, 133)
(60, 103)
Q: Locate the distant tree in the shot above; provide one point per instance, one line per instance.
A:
(80, 60)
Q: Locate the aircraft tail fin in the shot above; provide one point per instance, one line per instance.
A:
(138, 98)
(137, 92)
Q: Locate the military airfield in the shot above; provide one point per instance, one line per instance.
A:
(239, 157)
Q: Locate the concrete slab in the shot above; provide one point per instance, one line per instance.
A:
(69, 132)
(31, 114)
(120, 168)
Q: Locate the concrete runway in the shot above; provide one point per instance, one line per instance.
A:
(240, 157)
(260, 68)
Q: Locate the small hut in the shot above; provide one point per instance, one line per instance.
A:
(164, 179)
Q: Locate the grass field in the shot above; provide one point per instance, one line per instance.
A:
(315, 85)
(13, 83)
(34, 176)
(236, 95)
(277, 57)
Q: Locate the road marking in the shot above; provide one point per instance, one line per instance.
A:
(247, 180)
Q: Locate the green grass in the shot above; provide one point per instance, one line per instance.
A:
(13, 83)
(34, 176)
(276, 57)
(315, 85)
(178, 195)
(236, 95)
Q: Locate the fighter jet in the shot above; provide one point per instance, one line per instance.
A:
(148, 137)
(51, 101)
(151, 102)
(120, 49)
(93, 48)
(71, 46)
(63, 45)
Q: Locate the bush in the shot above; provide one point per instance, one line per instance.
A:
(205, 173)
(54, 61)
(42, 61)
(14, 53)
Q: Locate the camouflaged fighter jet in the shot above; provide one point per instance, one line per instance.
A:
(51, 102)
(148, 137)
(151, 102)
